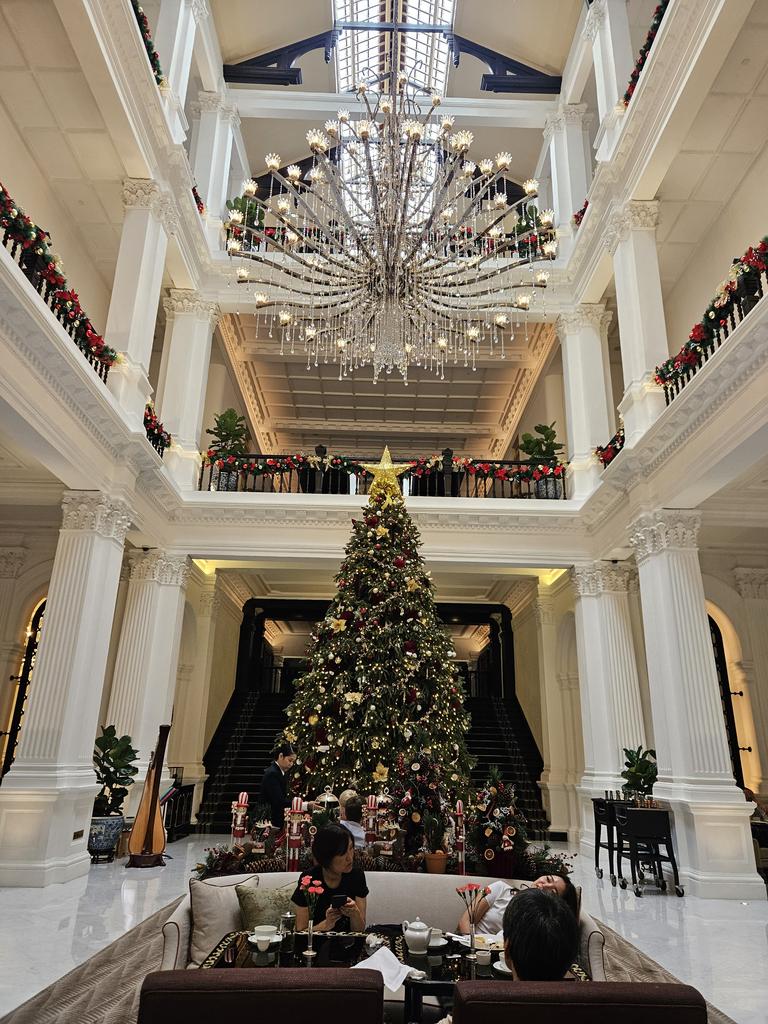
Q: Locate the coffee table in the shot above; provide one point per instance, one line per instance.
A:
(442, 969)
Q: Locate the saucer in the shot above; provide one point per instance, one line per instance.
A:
(274, 941)
(501, 967)
(437, 945)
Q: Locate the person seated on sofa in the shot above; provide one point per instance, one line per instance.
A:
(352, 821)
(333, 851)
(488, 911)
(344, 799)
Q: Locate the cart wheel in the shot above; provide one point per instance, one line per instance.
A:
(599, 872)
(638, 891)
(662, 885)
(679, 890)
(613, 879)
(641, 876)
(623, 883)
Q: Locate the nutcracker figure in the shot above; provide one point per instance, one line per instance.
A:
(459, 843)
(295, 817)
(239, 818)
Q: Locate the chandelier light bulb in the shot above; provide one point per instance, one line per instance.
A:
(473, 333)
(499, 201)
(285, 317)
(523, 301)
(503, 160)
(310, 332)
(273, 161)
(531, 187)
(365, 128)
(461, 141)
(408, 348)
(442, 343)
(486, 166)
(294, 172)
(402, 80)
(437, 99)
(547, 218)
(291, 238)
(446, 123)
(261, 298)
(468, 169)
(496, 231)
(386, 105)
(501, 320)
(549, 248)
(332, 127)
(235, 217)
(315, 175)
(283, 204)
(341, 343)
(250, 188)
(318, 142)
(343, 115)
(242, 274)
(448, 214)
(234, 245)
(541, 278)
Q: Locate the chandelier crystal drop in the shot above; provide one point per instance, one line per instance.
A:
(393, 249)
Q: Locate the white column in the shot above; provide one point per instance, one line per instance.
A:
(571, 173)
(752, 585)
(187, 741)
(631, 241)
(552, 782)
(605, 324)
(149, 220)
(175, 39)
(607, 28)
(46, 799)
(213, 155)
(11, 649)
(184, 379)
(574, 751)
(612, 717)
(148, 654)
(586, 408)
(711, 817)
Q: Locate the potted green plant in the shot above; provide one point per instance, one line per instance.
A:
(435, 857)
(544, 452)
(113, 758)
(640, 771)
(230, 440)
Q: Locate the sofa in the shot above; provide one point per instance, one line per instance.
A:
(185, 997)
(393, 897)
(567, 1002)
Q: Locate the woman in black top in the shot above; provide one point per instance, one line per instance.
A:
(333, 850)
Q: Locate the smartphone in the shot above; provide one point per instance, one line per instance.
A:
(338, 901)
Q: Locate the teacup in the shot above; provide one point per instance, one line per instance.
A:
(483, 957)
(264, 934)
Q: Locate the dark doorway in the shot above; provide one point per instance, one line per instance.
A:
(721, 667)
(22, 687)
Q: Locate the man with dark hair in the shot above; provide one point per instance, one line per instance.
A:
(274, 785)
(541, 936)
(353, 816)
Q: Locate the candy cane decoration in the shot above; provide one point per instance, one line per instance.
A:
(295, 816)
(371, 819)
(459, 842)
(239, 817)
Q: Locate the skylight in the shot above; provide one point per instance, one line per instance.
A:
(362, 50)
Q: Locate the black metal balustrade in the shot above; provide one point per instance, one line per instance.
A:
(177, 810)
(33, 266)
(451, 477)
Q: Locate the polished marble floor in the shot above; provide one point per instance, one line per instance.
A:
(720, 946)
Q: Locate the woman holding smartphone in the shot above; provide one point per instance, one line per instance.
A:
(341, 907)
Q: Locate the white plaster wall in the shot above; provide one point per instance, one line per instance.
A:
(221, 392)
(547, 401)
(222, 684)
(743, 222)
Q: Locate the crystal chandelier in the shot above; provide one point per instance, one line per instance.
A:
(394, 249)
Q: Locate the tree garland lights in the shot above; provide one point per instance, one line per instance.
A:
(37, 254)
(642, 57)
(703, 336)
(607, 454)
(149, 45)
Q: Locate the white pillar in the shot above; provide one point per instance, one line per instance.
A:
(191, 703)
(213, 155)
(184, 379)
(46, 800)
(605, 324)
(586, 408)
(752, 585)
(552, 781)
(148, 654)
(149, 219)
(11, 649)
(607, 28)
(174, 40)
(571, 173)
(612, 717)
(631, 241)
(711, 817)
(574, 751)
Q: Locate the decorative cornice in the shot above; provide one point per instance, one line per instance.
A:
(752, 583)
(664, 530)
(157, 567)
(587, 315)
(595, 18)
(96, 512)
(180, 301)
(11, 561)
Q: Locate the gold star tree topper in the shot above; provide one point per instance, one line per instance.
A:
(385, 476)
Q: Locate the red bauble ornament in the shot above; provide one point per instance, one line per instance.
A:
(377, 547)
(398, 562)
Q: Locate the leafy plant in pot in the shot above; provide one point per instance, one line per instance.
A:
(640, 771)
(434, 831)
(113, 758)
(543, 453)
(230, 439)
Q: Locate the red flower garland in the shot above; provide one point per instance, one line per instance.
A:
(658, 15)
(149, 46)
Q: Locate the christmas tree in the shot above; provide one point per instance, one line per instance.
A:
(381, 680)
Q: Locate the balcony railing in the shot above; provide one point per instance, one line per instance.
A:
(439, 476)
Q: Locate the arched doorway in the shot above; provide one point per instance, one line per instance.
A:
(22, 681)
(726, 700)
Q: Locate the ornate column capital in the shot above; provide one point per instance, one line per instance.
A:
(199, 10)
(231, 114)
(182, 301)
(566, 114)
(156, 566)
(616, 577)
(595, 18)
(585, 580)
(587, 315)
(140, 193)
(544, 610)
(209, 102)
(636, 215)
(752, 583)
(210, 602)
(11, 561)
(96, 512)
(605, 322)
(664, 530)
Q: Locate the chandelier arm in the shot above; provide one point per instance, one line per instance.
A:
(296, 257)
(340, 202)
(450, 175)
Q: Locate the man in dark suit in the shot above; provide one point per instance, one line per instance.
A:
(274, 785)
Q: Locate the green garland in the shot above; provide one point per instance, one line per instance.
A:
(149, 45)
(642, 57)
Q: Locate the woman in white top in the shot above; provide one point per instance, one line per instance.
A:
(488, 911)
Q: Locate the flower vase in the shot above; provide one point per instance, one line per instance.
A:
(309, 952)
(471, 955)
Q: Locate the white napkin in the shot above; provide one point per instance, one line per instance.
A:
(392, 971)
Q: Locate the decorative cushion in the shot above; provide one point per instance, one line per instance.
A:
(215, 912)
(262, 906)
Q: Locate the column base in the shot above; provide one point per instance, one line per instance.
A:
(44, 828)
(129, 384)
(641, 406)
(555, 799)
(713, 841)
(583, 476)
(183, 465)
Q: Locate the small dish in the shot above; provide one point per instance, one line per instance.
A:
(501, 967)
(275, 940)
(437, 945)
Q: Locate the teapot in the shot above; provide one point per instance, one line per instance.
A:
(417, 935)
